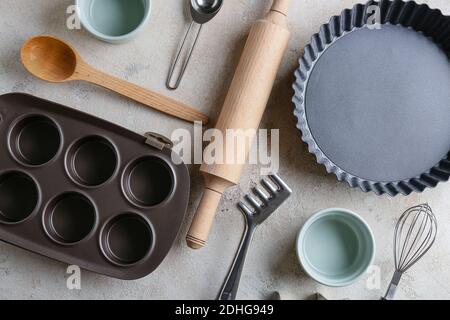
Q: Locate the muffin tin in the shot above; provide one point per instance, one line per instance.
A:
(86, 192)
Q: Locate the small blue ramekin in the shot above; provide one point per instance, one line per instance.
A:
(100, 16)
(335, 247)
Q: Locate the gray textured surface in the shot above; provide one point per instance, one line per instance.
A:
(272, 264)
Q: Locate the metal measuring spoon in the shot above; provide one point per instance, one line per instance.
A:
(202, 11)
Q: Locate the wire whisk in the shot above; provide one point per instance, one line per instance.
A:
(415, 233)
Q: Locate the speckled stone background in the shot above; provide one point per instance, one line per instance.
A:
(186, 274)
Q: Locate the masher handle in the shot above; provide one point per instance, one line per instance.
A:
(231, 285)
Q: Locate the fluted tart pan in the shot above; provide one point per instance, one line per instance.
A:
(372, 96)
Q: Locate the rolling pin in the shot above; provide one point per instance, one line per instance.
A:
(243, 109)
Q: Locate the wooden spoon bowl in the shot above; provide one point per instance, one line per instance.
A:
(49, 59)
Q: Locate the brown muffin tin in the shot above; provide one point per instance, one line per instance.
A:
(86, 192)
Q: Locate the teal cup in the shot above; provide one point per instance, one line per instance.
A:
(114, 21)
(335, 247)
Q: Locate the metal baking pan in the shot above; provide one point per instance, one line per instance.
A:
(372, 96)
(86, 192)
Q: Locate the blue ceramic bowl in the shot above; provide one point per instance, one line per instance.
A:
(114, 21)
(335, 247)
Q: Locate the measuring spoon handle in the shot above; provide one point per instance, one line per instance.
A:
(170, 84)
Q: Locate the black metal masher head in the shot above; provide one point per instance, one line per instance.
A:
(265, 201)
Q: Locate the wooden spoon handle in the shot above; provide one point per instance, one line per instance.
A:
(142, 95)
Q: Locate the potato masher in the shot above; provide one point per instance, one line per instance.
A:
(261, 210)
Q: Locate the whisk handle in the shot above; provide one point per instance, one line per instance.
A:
(393, 286)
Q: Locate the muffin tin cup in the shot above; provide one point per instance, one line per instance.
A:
(92, 161)
(127, 239)
(20, 197)
(70, 218)
(148, 182)
(35, 140)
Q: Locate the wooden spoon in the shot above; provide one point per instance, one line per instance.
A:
(51, 59)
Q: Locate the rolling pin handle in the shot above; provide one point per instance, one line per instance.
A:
(203, 220)
(281, 6)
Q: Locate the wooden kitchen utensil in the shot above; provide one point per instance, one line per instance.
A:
(53, 60)
(243, 109)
